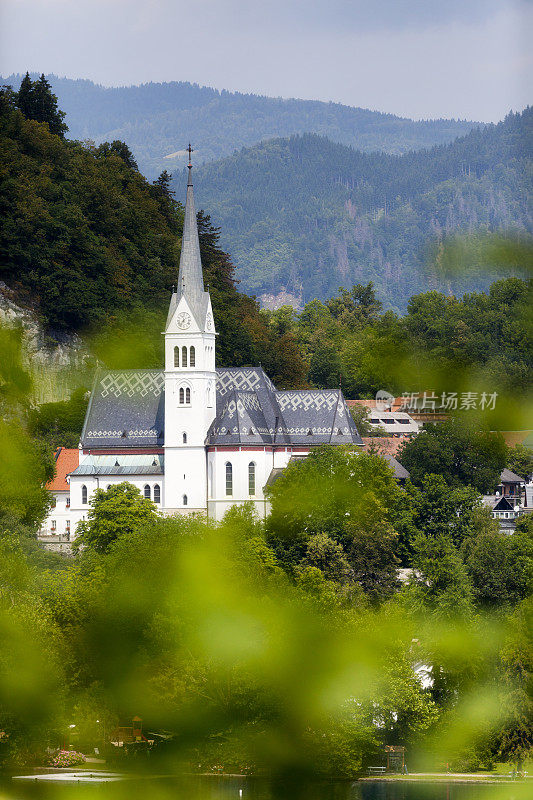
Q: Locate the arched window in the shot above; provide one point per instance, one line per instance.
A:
(251, 478)
(183, 356)
(229, 479)
(182, 396)
(157, 493)
(83, 494)
(187, 395)
(184, 438)
(192, 357)
(147, 492)
(185, 501)
(176, 356)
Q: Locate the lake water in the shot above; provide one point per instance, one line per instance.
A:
(228, 788)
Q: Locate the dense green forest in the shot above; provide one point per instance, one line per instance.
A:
(442, 343)
(158, 119)
(307, 215)
(91, 246)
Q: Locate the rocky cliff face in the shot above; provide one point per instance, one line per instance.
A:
(282, 298)
(52, 359)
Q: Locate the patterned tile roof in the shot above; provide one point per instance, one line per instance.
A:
(247, 400)
(127, 410)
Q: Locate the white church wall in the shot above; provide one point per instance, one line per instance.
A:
(240, 459)
(185, 479)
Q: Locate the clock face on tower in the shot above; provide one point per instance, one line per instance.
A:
(183, 320)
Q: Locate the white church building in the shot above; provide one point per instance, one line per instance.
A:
(191, 437)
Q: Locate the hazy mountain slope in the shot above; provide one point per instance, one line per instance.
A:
(307, 215)
(158, 119)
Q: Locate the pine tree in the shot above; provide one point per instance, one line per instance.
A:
(25, 96)
(45, 107)
(37, 101)
(163, 184)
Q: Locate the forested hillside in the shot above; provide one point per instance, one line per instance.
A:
(89, 245)
(159, 119)
(309, 215)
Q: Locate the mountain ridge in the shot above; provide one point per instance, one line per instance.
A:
(305, 215)
(159, 119)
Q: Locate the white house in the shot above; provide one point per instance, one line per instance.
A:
(192, 437)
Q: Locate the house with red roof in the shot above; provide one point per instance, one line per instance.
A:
(59, 521)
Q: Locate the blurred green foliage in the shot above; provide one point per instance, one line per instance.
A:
(286, 649)
(60, 423)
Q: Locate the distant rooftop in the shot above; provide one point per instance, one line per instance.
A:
(67, 459)
(125, 464)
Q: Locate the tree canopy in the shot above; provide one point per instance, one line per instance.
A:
(459, 452)
(116, 511)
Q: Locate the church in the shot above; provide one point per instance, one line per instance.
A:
(191, 437)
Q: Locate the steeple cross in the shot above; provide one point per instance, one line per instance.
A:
(190, 150)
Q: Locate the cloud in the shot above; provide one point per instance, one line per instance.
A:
(419, 58)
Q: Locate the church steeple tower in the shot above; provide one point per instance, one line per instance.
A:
(190, 278)
(190, 375)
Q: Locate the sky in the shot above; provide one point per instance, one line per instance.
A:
(466, 59)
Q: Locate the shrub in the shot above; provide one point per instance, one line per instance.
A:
(67, 758)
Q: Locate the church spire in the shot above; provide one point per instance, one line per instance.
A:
(190, 278)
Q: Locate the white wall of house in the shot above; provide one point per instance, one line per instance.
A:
(59, 519)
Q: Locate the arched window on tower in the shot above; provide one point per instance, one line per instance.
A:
(184, 438)
(147, 492)
(185, 501)
(157, 493)
(176, 356)
(187, 396)
(182, 396)
(251, 478)
(83, 495)
(192, 357)
(183, 356)
(229, 479)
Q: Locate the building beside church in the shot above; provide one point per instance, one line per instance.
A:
(193, 437)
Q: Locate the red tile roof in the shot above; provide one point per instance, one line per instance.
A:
(371, 404)
(388, 445)
(67, 459)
